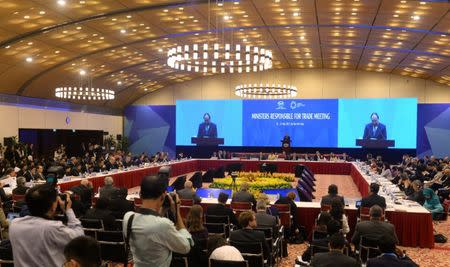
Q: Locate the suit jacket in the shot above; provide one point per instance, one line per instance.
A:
(85, 194)
(106, 191)
(187, 193)
(391, 261)
(333, 259)
(244, 196)
(249, 235)
(119, 207)
(373, 199)
(20, 190)
(373, 229)
(380, 133)
(39, 176)
(328, 199)
(222, 210)
(204, 131)
(28, 176)
(265, 220)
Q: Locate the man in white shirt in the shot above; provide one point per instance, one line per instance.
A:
(38, 240)
(153, 238)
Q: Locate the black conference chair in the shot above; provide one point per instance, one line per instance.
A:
(91, 226)
(197, 180)
(178, 184)
(251, 251)
(217, 228)
(179, 260)
(368, 248)
(219, 263)
(208, 176)
(112, 246)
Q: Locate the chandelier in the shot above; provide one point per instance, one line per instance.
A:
(219, 58)
(265, 91)
(87, 93)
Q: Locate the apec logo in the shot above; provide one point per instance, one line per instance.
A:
(292, 105)
(280, 105)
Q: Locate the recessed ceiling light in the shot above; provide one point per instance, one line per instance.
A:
(78, 28)
(422, 3)
(129, 17)
(415, 17)
(42, 12)
(227, 17)
(26, 17)
(302, 37)
(160, 50)
(57, 52)
(8, 46)
(30, 43)
(145, 89)
(119, 83)
(395, 15)
(29, 59)
(123, 31)
(296, 14)
(82, 72)
(61, 2)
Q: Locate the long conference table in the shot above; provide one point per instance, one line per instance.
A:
(413, 224)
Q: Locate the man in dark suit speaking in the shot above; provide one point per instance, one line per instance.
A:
(207, 128)
(375, 130)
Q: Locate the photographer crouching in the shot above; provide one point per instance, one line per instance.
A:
(151, 237)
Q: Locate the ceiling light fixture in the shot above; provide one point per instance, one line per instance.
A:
(61, 2)
(219, 58)
(87, 93)
(266, 91)
(29, 59)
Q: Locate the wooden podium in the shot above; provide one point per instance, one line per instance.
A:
(370, 143)
(286, 146)
(205, 141)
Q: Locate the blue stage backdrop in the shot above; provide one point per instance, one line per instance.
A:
(150, 129)
(433, 130)
(309, 122)
(399, 115)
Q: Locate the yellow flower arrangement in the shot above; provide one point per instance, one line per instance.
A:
(256, 181)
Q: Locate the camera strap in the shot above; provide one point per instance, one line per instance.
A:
(142, 211)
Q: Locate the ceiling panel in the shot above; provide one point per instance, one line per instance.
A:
(122, 44)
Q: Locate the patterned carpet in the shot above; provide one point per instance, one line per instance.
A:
(437, 257)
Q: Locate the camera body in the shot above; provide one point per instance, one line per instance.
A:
(166, 203)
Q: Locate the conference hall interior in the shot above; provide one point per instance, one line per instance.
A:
(224, 133)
